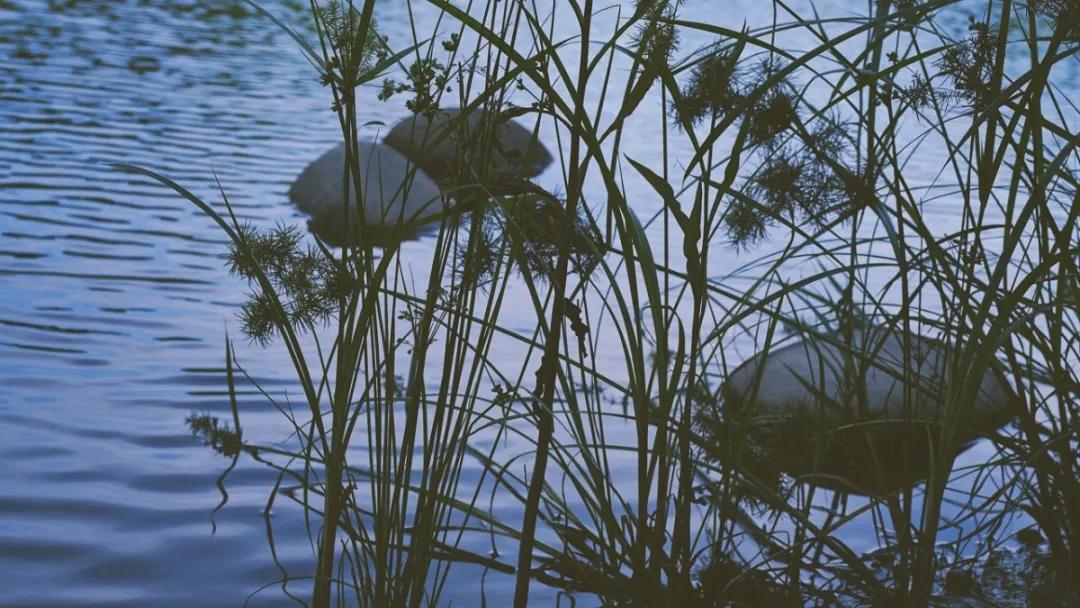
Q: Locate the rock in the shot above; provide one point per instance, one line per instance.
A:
(443, 144)
(398, 198)
(854, 419)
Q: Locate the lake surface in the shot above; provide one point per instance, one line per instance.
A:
(115, 305)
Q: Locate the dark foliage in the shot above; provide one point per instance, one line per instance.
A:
(656, 38)
(1065, 15)
(803, 180)
(527, 231)
(308, 286)
(713, 89)
(426, 80)
(969, 65)
(215, 433)
(726, 583)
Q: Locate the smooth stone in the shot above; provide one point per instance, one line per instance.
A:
(398, 198)
(817, 433)
(440, 143)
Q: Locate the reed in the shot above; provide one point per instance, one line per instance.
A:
(811, 164)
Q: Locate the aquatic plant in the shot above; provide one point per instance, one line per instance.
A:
(589, 421)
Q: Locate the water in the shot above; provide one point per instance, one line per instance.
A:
(115, 303)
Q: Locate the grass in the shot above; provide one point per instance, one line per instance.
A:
(805, 160)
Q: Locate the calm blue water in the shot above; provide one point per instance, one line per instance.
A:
(114, 303)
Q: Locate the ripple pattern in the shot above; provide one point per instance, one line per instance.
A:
(115, 303)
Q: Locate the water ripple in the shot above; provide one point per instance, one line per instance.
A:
(116, 300)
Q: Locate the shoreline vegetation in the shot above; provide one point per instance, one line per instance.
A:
(615, 436)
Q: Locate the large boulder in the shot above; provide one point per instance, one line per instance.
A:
(447, 142)
(862, 417)
(398, 198)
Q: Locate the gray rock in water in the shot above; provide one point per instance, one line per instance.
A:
(397, 196)
(443, 144)
(809, 419)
